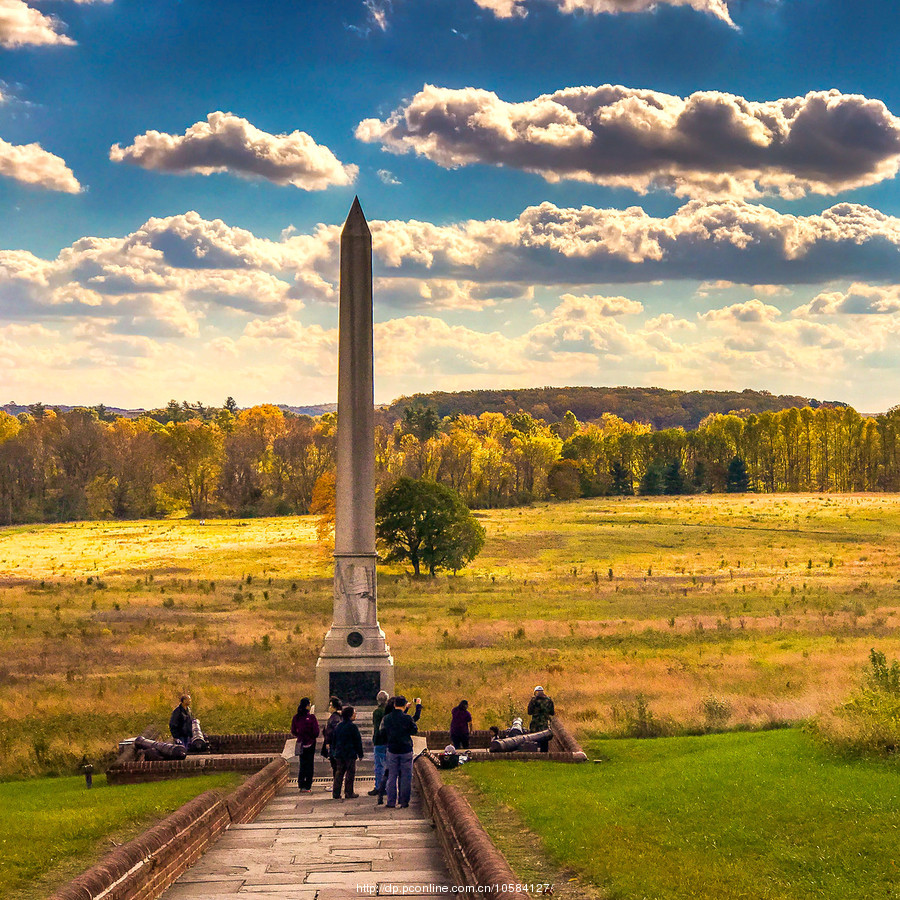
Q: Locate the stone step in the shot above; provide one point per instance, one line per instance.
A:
(310, 847)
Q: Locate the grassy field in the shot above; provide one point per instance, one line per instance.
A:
(719, 817)
(697, 613)
(53, 828)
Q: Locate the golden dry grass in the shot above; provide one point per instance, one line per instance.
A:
(766, 605)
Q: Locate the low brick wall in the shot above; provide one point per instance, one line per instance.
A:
(470, 854)
(522, 756)
(192, 766)
(143, 868)
(261, 744)
(437, 740)
(563, 746)
(564, 740)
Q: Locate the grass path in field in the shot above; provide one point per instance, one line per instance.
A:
(764, 815)
(51, 829)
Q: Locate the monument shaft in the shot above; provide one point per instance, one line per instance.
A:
(355, 662)
(354, 523)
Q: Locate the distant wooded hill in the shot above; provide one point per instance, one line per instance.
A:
(655, 406)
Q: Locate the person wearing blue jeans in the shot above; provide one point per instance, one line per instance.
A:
(378, 742)
(399, 727)
(399, 778)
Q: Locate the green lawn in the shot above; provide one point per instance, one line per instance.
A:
(51, 829)
(763, 815)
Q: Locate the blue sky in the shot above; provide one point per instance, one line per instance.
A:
(690, 194)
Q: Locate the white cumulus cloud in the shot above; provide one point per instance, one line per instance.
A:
(505, 9)
(859, 299)
(228, 143)
(31, 164)
(753, 311)
(23, 25)
(709, 144)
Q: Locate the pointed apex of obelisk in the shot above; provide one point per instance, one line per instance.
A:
(356, 222)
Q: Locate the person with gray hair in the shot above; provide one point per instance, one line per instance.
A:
(379, 743)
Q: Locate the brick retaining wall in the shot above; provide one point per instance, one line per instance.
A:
(143, 868)
(470, 854)
(262, 744)
(563, 746)
(192, 766)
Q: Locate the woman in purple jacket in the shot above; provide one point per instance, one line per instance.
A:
(305, 727)
(460, 725)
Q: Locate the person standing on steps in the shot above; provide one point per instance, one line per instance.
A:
(460, 725)
(305, 727)
(541, 710)
(346, 749)
(334, 707)
(378, 745)
(399, 727)
(381, 786)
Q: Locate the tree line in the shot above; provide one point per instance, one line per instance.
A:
(660, 407)
(79, 464)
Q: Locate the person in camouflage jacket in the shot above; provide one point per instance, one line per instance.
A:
(541, 710)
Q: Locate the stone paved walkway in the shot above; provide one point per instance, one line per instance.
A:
(310, 847)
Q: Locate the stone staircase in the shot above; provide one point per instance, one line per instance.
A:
(365, 768)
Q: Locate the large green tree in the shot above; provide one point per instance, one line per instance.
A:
(426, 523)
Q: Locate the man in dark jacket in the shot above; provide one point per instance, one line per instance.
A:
(346, 749)
(180, 721)
(398, 728)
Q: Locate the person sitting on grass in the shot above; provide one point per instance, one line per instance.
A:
(346, 749)
(180, 721)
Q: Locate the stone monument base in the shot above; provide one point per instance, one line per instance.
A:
(355, 680)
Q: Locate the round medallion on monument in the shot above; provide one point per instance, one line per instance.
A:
(355, 639)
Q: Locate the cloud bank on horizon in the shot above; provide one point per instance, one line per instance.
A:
(184, 280)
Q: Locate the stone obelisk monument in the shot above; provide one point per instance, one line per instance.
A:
(355, 662)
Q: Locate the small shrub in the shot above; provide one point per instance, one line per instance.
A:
(869, 722)
(716, 713)
(637, 720)
(881, 676)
